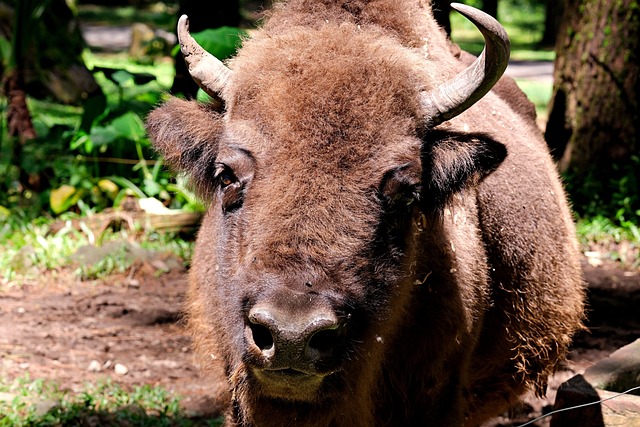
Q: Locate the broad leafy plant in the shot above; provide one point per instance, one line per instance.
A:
(92, 157)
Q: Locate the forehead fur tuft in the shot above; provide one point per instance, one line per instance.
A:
(334, 91)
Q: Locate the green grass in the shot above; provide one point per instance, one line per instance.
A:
(524, 22)
(25, 402)
(610, 239)
(539, 92)
(604, 231)
(28, 248)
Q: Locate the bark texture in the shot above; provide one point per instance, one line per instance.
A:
(49, 52)
(490, 7)
(552, 20)
(593, 119)
(18, 116)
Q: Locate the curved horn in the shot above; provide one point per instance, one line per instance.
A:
(205, 69)
(455, 96)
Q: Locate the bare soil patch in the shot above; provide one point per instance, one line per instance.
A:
(72, 332)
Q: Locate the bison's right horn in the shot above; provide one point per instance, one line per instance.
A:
(205, 69)
(455, 96)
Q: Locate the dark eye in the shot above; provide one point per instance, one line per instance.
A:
(225, 176)
(400, 186)
(230, 188)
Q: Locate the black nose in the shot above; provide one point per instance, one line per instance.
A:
(307, 340)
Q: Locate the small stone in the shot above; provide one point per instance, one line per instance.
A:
(159, 264)
(595, 262)
(94, 366)
(43, 407)
(120, 369)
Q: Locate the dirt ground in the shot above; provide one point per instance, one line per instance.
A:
(73, 332)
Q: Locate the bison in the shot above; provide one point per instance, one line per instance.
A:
(387, 241)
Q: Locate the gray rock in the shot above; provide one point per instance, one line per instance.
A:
(618, 372)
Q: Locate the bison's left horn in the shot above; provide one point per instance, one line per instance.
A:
(207, 70)
(455, 96)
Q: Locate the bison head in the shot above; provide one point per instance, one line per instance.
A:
(320, 167)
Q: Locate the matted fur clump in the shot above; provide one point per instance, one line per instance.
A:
(379, 248)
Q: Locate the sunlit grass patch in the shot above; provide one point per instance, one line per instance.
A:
(539, 92)
(29, 248)
(604, 238)
(26, 402)
(523, 21)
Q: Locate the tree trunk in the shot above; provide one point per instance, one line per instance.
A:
(45, 61)
(18, 117)
(490, 7)
(593, 128)
(61, 68)
(552, 19)
(48, 49)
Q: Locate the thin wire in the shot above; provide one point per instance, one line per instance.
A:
(579, 406)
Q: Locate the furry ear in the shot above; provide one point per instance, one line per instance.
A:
(454, 161)
(187, 135)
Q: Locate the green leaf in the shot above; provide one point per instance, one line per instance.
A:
(151, 187)
(129, 126)
(95, 108)
(4, 213)
(202, 96)
(108, 187)
(79, 140)
(126, 184)
(220, 42)
(5, 50)
(62, 198)
(103, 135)
(120, 77)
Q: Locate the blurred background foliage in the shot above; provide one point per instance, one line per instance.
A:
(88, 148)
(84, 148)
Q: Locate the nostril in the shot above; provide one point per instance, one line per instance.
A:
(262, 336)
(308, 339)
(327, 342)
(324, 341)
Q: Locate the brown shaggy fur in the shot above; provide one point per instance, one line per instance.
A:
(451, 249)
